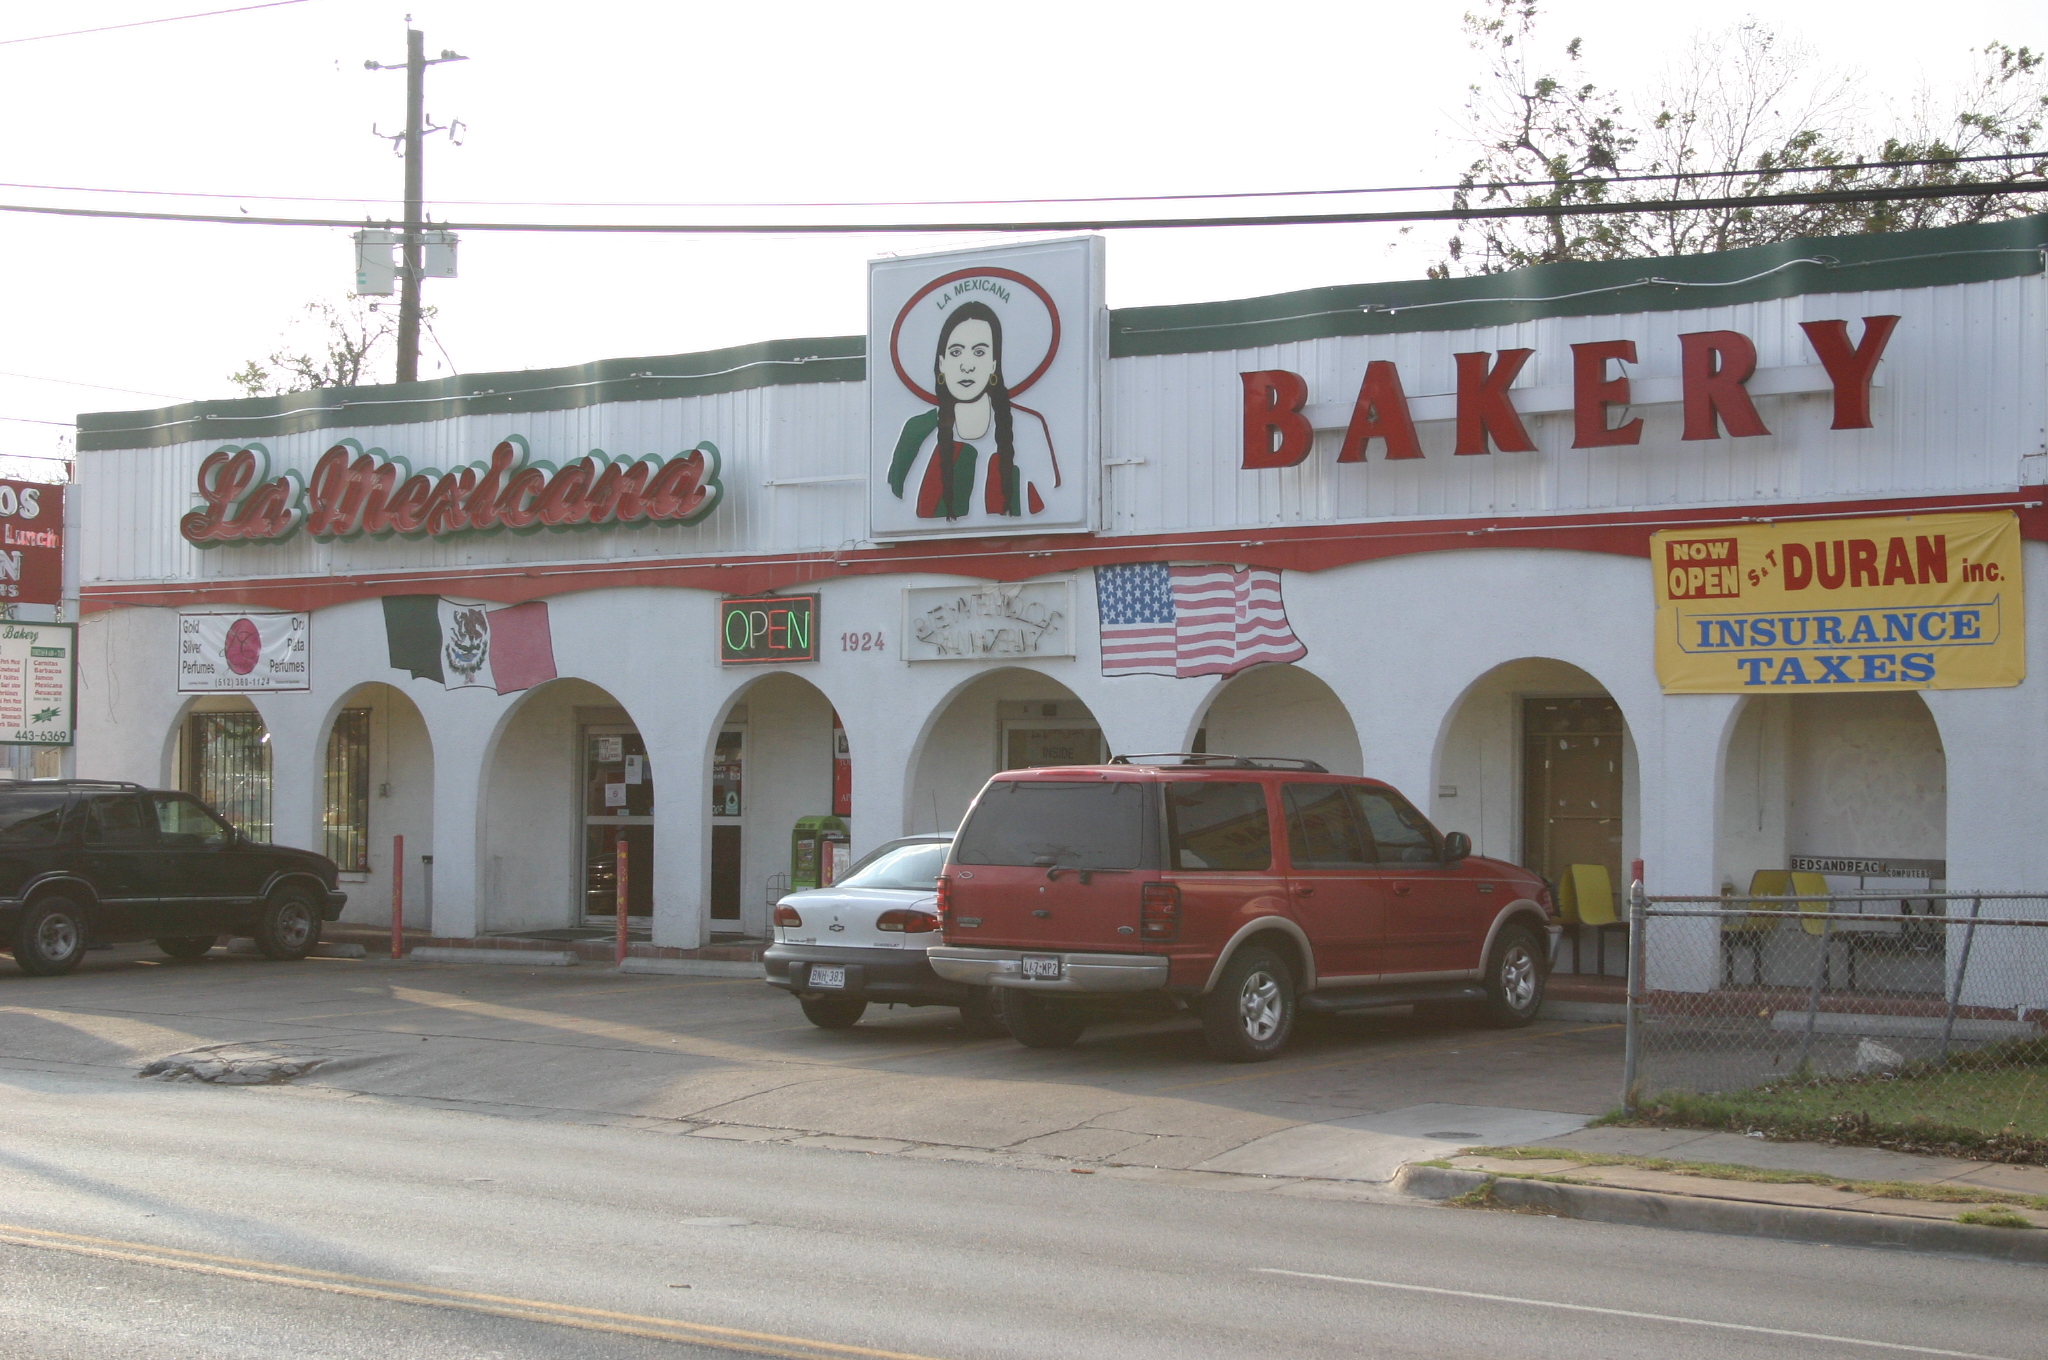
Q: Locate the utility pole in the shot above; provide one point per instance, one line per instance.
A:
(412, 143)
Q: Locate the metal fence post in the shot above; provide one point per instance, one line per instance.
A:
(1820, 972)
(397, 896)
(1631, 1031)
(1948, 1026)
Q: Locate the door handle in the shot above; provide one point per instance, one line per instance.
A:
(1402, 889)
(1304, 890)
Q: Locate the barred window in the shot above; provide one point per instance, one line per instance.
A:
(346, 813)
(227, 767)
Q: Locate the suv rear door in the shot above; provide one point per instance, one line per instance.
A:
(1220, 854)
(1429, 905)
(1052, 863)
(1336, 887)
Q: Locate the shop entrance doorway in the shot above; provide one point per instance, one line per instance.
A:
(1572, 785)
(727, 765)
(618, 796)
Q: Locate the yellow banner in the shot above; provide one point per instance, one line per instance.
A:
(1841, 606)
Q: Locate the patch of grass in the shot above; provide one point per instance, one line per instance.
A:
(1988, 1104)
(1914, 1190)
(1993, 1218)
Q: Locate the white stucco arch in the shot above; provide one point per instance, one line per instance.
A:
(1284, 710)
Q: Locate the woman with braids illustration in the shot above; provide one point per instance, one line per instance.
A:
(974, 409)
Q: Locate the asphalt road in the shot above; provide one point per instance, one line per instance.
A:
(140, 1219)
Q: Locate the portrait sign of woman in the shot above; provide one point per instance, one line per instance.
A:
(976, 453)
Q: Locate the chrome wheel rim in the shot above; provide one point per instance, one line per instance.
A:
(294, 925)
(57, 937)
(1518, 978)
(1259, 1006)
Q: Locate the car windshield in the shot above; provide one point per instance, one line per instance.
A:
(914, 866)
(1093, 825)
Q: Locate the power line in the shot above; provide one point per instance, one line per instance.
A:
(1602, 181)
(145, 23)
(99, 387)
(1910, 192)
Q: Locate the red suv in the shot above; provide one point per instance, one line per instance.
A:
(1244, 890)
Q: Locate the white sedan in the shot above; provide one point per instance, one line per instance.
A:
(863, 941)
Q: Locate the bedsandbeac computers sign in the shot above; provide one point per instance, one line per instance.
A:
(983, 390)
(1835, 606)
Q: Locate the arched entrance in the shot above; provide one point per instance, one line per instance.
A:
(1281, 711)
(1536, 765)
(1005, 719)
(376, 783)
(779, 756)
(219, 751)
(568, 778)
(1835, 776)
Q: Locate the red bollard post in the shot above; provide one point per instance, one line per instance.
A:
(619, 955)
(397, 896)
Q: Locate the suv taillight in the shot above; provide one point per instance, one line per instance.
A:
(944, 903)
(1546, 898)
(1159, 912)
(907, 921)
(787, 916)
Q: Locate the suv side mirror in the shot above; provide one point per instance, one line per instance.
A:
(1457, 845)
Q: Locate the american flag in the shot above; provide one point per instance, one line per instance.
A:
(1186, 619)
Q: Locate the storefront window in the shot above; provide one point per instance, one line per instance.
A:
(346, 811)
(227, 767)
(725, 776)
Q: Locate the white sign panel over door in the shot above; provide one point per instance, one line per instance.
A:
(983, 390)
(971, 623)
(220, 653)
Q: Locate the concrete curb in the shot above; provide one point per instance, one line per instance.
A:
(518, 958)
(247, 948)
(1647, 1209)
(1589, 1011)
(718, 968)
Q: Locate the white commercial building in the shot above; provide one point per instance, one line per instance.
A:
(1402, 529)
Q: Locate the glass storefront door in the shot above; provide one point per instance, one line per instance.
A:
(618, 796)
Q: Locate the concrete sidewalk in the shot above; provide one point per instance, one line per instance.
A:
(1724, 1182)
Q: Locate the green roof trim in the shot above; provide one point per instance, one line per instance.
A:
(773, 363)
(1832, 264)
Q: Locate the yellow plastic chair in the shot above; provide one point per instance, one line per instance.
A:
(1586, 898)
(1751, 930)
(1812, 892)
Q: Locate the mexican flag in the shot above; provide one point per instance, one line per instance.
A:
(470, 646)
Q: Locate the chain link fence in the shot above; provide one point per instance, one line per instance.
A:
(1917, 1022)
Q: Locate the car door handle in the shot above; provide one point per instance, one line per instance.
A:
(1403, 889)
(1304, 890)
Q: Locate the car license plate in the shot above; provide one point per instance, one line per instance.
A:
(824, 978)
(1042, 966)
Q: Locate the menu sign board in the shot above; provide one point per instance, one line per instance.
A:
(37, 674)
(763, 629)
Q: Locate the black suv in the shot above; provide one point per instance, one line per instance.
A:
(86, 863)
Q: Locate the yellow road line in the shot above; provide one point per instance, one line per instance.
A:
(400, 1291)
(1276, 1070)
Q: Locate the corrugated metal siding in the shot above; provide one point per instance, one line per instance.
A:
(1962, 404)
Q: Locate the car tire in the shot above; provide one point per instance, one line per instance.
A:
(832, 1012)
(1040, 1021)
(980, 1014)
(187, 946)
(1249, 1015)
(51, 937)
(1515, 975)
(289, 927)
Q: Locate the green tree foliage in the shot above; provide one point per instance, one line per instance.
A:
(1744, 100)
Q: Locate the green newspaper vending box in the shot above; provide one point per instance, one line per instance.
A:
(818, 852)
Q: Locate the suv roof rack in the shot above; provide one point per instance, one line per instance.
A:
(79, 783)
(1224, 762)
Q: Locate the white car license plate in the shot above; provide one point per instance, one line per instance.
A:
(828, 979)
(1042, 966)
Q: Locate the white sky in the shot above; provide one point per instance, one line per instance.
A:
(650, 102)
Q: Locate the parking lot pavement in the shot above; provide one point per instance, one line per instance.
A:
(732, 1058)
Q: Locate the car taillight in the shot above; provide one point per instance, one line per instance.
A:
(1159, 912)
(788, 916)
(908, 922)
(945, 899)
(1546, 898)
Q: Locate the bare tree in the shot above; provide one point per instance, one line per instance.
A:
(1733, 117)
(327, 346)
